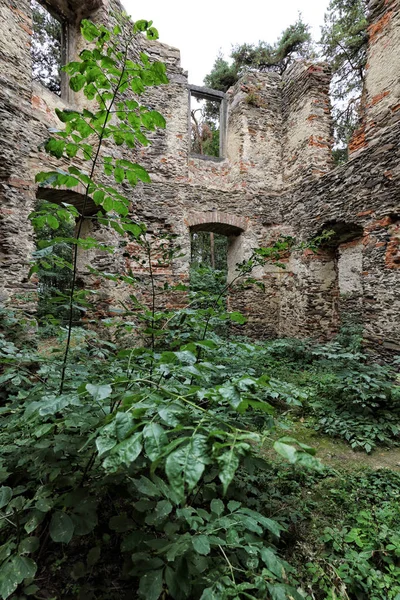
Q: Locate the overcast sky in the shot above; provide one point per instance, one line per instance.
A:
(201, 29)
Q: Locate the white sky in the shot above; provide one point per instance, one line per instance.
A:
(201, 29)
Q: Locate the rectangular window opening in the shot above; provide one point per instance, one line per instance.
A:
(47, 48)
(206, 122)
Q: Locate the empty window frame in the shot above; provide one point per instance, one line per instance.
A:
(207, 122)
(48, 47)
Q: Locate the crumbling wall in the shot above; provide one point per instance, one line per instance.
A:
(16, 190)
(380, 101)
(307, 122)
(276, 177)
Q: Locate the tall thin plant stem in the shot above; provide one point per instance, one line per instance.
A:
(81, 219)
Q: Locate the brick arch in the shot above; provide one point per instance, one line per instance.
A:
(68, 196)
(217, 222)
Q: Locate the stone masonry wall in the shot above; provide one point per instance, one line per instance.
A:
(276, 178)
(381, 106)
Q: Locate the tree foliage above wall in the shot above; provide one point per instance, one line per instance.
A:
(344, 44)
(295, 42)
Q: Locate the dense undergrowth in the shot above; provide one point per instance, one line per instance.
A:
(139, 455)
(151, 473)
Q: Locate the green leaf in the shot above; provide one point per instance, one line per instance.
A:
(141, 173)
(217, 506)
(89, 30)
(5, 495)
(61, 528)
(147, 487)
(158, 119)
(31, 590)
(52, 222)
(154, 440)
(55, 147)
(8, 579)
(161, 511)
(77, 82)
(119, 174)
(233, 505)
(123, 425)
(99, 392)
(13, 572)
(186, 465)
(237, 317)
(286, 451)
(230, 392)
(208, 594)
(131, 177)
(121, 523)
(151, 585)
(228, 464)
(93, 556)
(28, 545)
(128, 450)
(152, 33)
(140, 25)
(44, 504)
(104, 443)
(272, 562)
(201, 544)
(283, 592)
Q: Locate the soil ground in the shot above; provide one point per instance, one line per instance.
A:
(339, 455)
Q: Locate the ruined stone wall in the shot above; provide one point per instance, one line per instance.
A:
(276, 178)
(16, 194)
(307, 122)
(380, 103)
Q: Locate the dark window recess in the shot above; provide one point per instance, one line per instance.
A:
(207, 122)
(46, 48)
(209, 249)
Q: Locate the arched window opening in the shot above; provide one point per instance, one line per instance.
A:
(208, 261)
(47, 47)
(216, 245)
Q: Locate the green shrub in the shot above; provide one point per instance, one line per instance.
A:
(361, 404)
